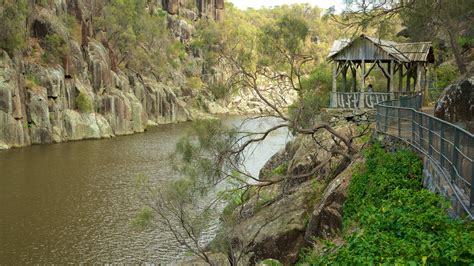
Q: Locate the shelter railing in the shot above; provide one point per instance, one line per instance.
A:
(449, 147)
(356, 100)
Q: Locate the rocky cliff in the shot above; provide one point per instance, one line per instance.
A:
(210, 9)
(86, 96)
(281, 219)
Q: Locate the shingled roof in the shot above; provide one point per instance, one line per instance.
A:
(360, 48)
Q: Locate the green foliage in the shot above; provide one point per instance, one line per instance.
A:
(13, 33)
(31, 81)
(143, 218)
(176, 51)
(56, 48)
(314, 95)
(289, 32)
(72, 25)
(84, 103)
(391, 219)
(194, 83)
(220, 90)
(140, 40)
(445, 74)
(281, 169)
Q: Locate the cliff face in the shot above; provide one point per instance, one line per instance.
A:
(210, 9)
(86, 96)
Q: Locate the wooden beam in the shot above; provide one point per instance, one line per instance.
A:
(400, 77)
(409, 71)
(362, 76)
(418, 78)
(354, 79)
(370, 69)
(383, 70)
(334, 85)
(344, 78)
(391, 66)
(362, 85)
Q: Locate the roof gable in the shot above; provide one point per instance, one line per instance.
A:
(371, 49)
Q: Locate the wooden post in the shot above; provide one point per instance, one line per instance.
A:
(409, 71)
(418, 78)
(391, 66)
(362, 85)
(354, 79)
(344, 79)
(334, 85)
(400, 77)
(425, 85)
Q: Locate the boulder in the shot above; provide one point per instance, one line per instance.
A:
(456, 105)
(80, 126)
(40, 126)
(277, 230)
(3, 145)
(327, 217)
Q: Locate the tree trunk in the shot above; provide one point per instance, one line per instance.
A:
(456, 52)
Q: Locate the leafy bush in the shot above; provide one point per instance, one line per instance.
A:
(445, 73)
(314, 95)
(56, 48)
(194, 83)
(219, 90)
(84, 103)
(31, 81)
(394, 220)
(143, 218)
(281, 169)
(13, 34)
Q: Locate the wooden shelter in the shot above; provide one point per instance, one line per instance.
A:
(406, 61)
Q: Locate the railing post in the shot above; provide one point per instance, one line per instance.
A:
(455, 154)
(413, 118)
(472, 185)
(385, 119)
(441, 144)
(398, 123)
(430, 136)
(420, 129)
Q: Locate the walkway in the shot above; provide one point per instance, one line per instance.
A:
(448, 148)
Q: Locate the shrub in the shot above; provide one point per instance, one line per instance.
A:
(194, 83)
(445, 74)
(394, 220)
(143, 218)
(13, 34)
(56, 48)
(84, 103)
(314, 95)
(220, 90)
(31, 81)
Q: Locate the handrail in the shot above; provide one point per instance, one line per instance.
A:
(449, 147)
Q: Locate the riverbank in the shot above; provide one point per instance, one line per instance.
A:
(343, 213)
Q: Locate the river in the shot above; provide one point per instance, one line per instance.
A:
(73, 202)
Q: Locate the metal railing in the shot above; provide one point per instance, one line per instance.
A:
(449, 147)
